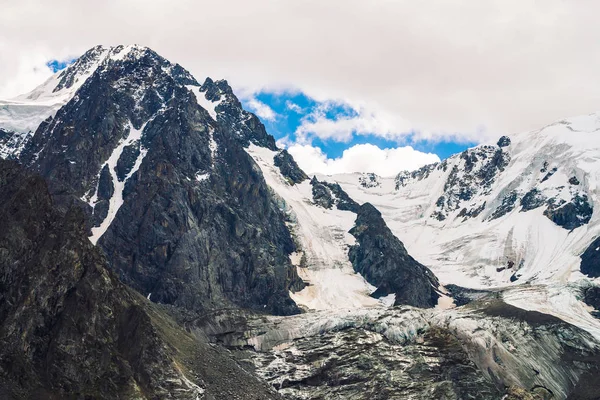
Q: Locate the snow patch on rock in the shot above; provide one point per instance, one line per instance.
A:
(116, 201)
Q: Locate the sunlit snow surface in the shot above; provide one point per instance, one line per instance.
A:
(470, 252)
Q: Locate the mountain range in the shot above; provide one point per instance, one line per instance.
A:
(158, 244)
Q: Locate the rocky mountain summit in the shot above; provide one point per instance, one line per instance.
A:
(173, 198)
(156, 231)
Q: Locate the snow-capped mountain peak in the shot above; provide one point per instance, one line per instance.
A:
(22, 115)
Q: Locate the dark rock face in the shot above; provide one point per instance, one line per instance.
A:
(288, 167)
(342, 200)
(504, 141)
(590, 259)
(201, 243)
(198, 227)
(571, 215)
(321, 194)
(384, 262)
(241, 124)
(508, 204)
(70, 329)
(591, 297)
(473, 174)
(532, 200)
(106, 188)
(127, 160)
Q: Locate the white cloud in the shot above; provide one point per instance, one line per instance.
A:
(290, 105)
(342, 128)
(361, 158)
(28, 70)
(443, 66)
(261, 109)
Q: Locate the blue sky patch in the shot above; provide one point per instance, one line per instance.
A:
(56, 65)
(292, 108)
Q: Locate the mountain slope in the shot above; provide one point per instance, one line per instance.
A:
(70, 329)
(175, 202)
(345, 252)
(494, 215)
(518, 214)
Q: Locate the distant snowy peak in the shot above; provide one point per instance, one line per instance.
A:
(521, 210)
(483, 182)
(61, 86)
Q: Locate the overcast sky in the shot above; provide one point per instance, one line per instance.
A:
(460, 71)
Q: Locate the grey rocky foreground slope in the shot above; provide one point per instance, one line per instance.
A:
(486, 350)
(70, 329)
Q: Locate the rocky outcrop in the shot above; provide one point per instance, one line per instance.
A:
(508, 204)
(240, 124)
(384, 262)
(504, 141)
(12, 143)
(288, 167)
(404, 177)
(590, 260)
(70, 329)
(378, 255)
(369, 180)
(342, 200)
(549, 174)
(327, 195)
(321, 194)
(570, 215)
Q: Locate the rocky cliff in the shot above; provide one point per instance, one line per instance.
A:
(70, 329)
